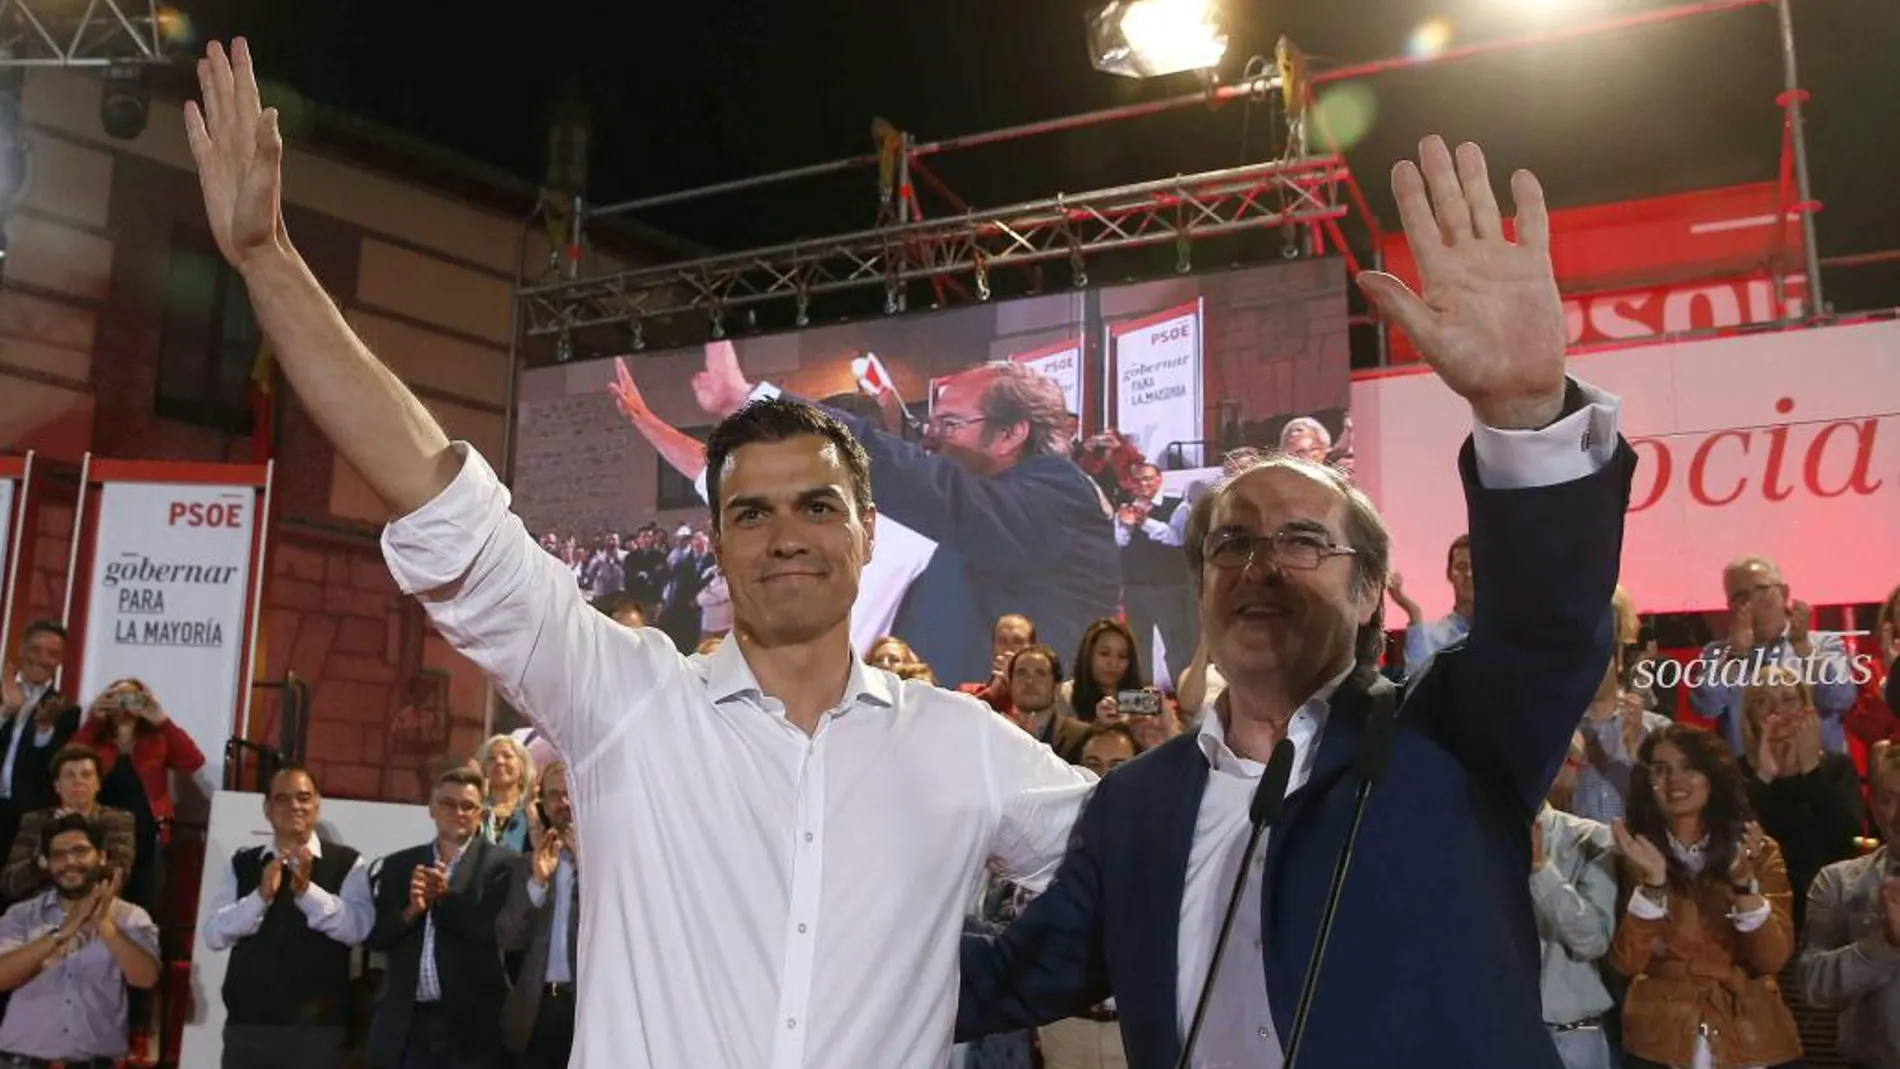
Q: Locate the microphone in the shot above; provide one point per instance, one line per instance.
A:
(1370, 764)
(1269, 799)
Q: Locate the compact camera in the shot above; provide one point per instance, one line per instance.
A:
(1138, 703)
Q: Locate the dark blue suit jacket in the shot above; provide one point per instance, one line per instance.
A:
(1033, 540)
(1434, 958)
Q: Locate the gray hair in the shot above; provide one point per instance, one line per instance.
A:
(1018, 393)
(1365, 532)
(1307, 425)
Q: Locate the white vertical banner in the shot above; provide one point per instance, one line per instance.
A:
(1062, 364)
(14, 472)
(1157, 373)
(169, 600)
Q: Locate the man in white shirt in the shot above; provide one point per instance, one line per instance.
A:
(780, 840)
(289, 912)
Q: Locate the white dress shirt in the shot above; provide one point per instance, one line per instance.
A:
(899, 556)
(756, 897)
(1239, 1031)
(346, 916)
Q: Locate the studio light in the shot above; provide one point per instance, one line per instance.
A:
(1151, 38)
(124, 102)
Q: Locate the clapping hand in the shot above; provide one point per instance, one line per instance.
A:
(1490, 321)
(1641, 854)
(1747, 853)
(547, 858)
(1890, 910)
(12, 695)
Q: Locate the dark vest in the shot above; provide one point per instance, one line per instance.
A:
(1146, 562)
(284, 973)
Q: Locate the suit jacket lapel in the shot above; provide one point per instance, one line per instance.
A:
(473, 859)
(1169, 840)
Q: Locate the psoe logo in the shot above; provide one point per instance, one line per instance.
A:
(1818, 667)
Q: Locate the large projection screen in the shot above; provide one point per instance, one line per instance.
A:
(1210, 362)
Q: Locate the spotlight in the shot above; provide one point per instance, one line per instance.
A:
(124, 102)
(1150, 38)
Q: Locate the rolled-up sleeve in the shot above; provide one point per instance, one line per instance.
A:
(1038, 797)
(508, 605)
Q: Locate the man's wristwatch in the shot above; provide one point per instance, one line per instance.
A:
(1743, 890)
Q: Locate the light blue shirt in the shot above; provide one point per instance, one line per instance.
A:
(560, 970)
(1423, 640)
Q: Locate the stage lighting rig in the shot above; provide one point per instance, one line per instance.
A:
(1152, 38)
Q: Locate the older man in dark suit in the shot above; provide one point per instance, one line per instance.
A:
(542, 922)
(436, 911)
(1434, 959)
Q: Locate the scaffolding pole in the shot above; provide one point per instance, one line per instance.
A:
(1791, 97)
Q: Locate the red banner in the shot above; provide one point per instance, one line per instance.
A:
(1665, 265)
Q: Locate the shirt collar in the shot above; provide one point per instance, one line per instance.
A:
(312, 844)
(728, 676)
(1212, 737)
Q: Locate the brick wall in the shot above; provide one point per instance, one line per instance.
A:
(45, 588)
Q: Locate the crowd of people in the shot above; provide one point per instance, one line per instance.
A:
(86, 810)
(794, 858)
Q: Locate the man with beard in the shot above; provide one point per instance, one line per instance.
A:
(68, 954)
(542, 921)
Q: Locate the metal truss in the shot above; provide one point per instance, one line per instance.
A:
(1175, 210)
(79, 33)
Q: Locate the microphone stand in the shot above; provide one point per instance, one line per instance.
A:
(1375, 754)
(1269, 798)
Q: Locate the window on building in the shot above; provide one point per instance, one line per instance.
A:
(676, 490)
(210, 339)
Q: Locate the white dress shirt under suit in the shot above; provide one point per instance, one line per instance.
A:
(757, 898)
(1239, 1032)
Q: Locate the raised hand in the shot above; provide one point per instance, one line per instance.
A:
(1800, 619)
(627, 396)
(1747, 853)
(272, 880)
(722, 388)
(239, 153)
(1741, 629)
(1642, 855)
(12, 695)
(547, 858)
(1490, 320)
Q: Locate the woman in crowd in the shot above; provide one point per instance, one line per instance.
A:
(889, 652)
(1708, 922)
(510, 773)
(1106, 663)
(1808, 801)
(1875, 718)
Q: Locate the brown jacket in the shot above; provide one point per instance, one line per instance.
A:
(1693, 968)
(23, 877)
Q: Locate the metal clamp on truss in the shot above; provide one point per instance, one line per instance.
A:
(1183, 208)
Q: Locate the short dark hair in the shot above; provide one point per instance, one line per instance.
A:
(1039, 650)
(66, 822)
(615, 602)
(44, 627)
(461, 776)
(1365, 532)
(779, 419)
(71, 752)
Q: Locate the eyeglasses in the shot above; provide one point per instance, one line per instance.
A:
(948, 424)
(1304, 550)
